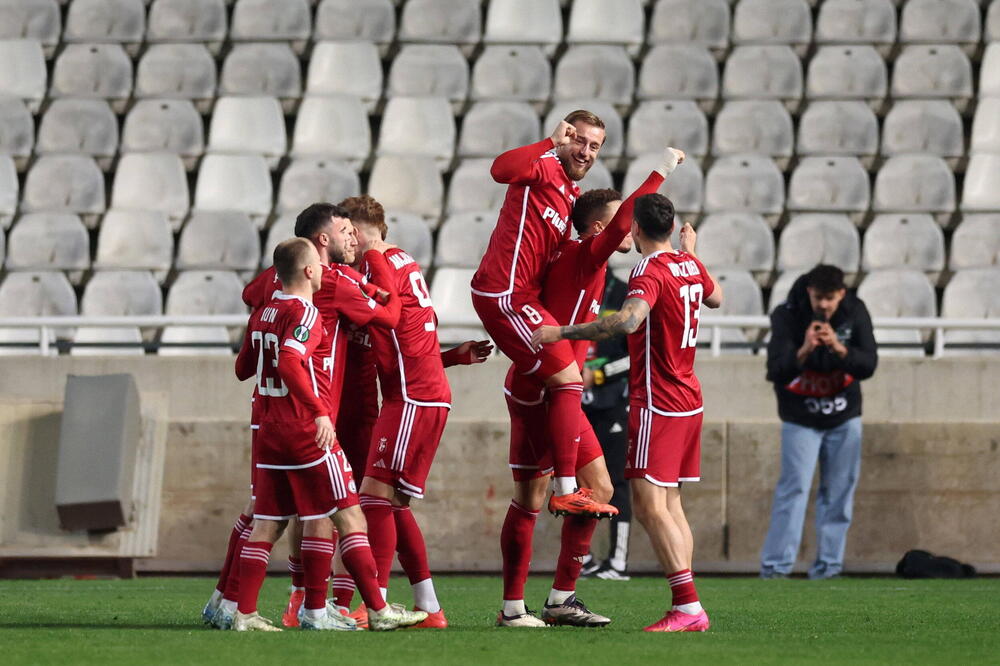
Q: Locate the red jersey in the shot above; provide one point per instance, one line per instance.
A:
(409, 356)
(360, 373)
(534, 219)
(661, 350)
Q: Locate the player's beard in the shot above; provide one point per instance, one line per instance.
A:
(341, 255)
(575, 171)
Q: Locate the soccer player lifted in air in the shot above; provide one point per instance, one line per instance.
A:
(533, 221)
(572, 292)
(660, 316)
(416, 399)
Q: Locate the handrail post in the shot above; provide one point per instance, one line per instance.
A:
(716, 341)
(43, 340)
(938, 342)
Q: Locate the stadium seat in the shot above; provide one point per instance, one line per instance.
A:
(262, 69)
(914, 184)
(537, 22)
(654, 125)
(164, 125)
(972, 294)
(140, 240)
(772, 22)
(373, 21)
(333, 127)
(598, 178)
(249, 125)
(22, 71)
(17, 130)
(976, 242)
(206, 293)
(346, 68)
(991, 32)
(819, 238)
(490, 128)
(120, 293)
(194, 341)
(512, 74)
(310, 179)
(32, 19)
(463, 238)
(34, 294)
(762, 127)
(979, 189)
(679, 71)
(595, 71)
(904, 240)
(97, 341)
(598, 22)
(152, 181)
(282, 229)
(855, 71)
(702, 23)
(932, 72)
(441, 22)
(473, 188)
(830, 185)
(418, 126)
(742, 296)
(436, 70)
(218, 240)
(64, 184)
(763, 72)
(9, 188)
(272, 20)
(202, 21)
(838, 128)
(457, 320)
(177, 71)
(749, 183)
(106, 21)
(49, 241)
(737, 240)
(101, 71)
(898, 293)
(781, 287)
(685, 187)
(856, 22)
(614, 142)
(923, 126)
(940, 22)
(84, 126)
(410, 233)
(405, 184)
(986, 127)
(234, 182)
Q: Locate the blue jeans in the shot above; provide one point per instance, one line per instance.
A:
(839, 453)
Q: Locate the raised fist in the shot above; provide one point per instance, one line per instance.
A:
(564, 134)
(688, 238)
(671, 158)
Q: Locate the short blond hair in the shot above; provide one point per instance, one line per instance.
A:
(584, 116)
(290, 257)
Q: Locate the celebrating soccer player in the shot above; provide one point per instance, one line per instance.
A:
(660, 316)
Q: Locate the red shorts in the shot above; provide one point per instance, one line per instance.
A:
(404, 441)
(354, 432)
(664, 450)
(511, 326)
(530, 453)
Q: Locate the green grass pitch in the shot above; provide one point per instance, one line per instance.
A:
(850, 620)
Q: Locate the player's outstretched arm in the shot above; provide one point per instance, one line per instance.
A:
(469, 352)
(632, 313)
(521, 166)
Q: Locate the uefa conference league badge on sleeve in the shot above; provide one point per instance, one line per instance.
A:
(301, 333)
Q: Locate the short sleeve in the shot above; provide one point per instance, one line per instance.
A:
(302, 331)
(644, 286)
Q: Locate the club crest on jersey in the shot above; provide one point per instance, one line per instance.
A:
(381, 445)
(301, 333)
(557, 222)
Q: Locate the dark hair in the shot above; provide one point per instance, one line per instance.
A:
(290, 257)
(654, 213)
(825, 279)
(312, 220)
(367, 210)
(590, 206)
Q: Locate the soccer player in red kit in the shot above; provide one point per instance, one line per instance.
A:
(533, 221)
(572, 292)
(660, 316)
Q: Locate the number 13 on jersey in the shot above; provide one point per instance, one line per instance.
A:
(692, 295)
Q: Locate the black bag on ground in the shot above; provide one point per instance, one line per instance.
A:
(921, 564)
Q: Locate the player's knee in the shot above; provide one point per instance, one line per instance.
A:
(350, 520)
(568, 375)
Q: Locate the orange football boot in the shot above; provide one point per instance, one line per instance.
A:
(580, 503)
(290, 618)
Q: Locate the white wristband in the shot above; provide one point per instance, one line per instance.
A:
(669, 163)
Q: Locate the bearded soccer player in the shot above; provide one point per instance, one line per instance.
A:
(506, 290)
(660, 316)
(572, 292)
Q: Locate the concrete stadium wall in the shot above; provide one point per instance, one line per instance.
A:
(930, 470)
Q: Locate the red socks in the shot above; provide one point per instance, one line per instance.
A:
(682, 587)
(296, 570)
(577, 532)
(357, 556)
(317, 554)
(410, 545)
(515, 546)
(382, 533)
(241, 524)
(253, 568)
(343, 590)
(235, 569)
(564, 426)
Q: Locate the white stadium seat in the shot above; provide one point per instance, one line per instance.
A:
(119, 293)
(372, 21)
(310, 179)
(512, 73)
(249, 125)
(450, 292)
(140, 240)
(262, 69)
(986, 127)
(282, 229)
(219, 240)
(84, 126)
(413, 235)
(271, 20)
(418, 126)
(781, 287)
(164, 125)
(17, 130)
(490, 128)
(679, 71)
(749, 183)
(838, 128)
(705, 23)
(819, 238)
(22, 71)
(932, 72)
(772, 22)
(31, 19)
(473, 188)
(763, 127)
(152, 181)
(95, 341)
(856, 22)
(37, 294)
(436, 70)
(898, 293)
(182, 341)
(234, 182)
(463, 238)
(656, 124)
(991, 32)
(65, 184)
(106, 21)
(177, 71)
(763, 72)
(598, 22)
(685, 187)
(737, 240)
(187, 21)
(940, 22)
(598, 178)
(206, 293)
(614, 142)
(903, 240)
(595, 71)
(914, 183)
(976, 242)
(346, 68)
(979, 190)
(856, 71)
(741, 296)
(923, 126)
(829, 185)
(536, 22)
(48, 241)
(333, 127)
(972, 294)
(101, 71)
(9, 189)
(406, 184)
(441, 22)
